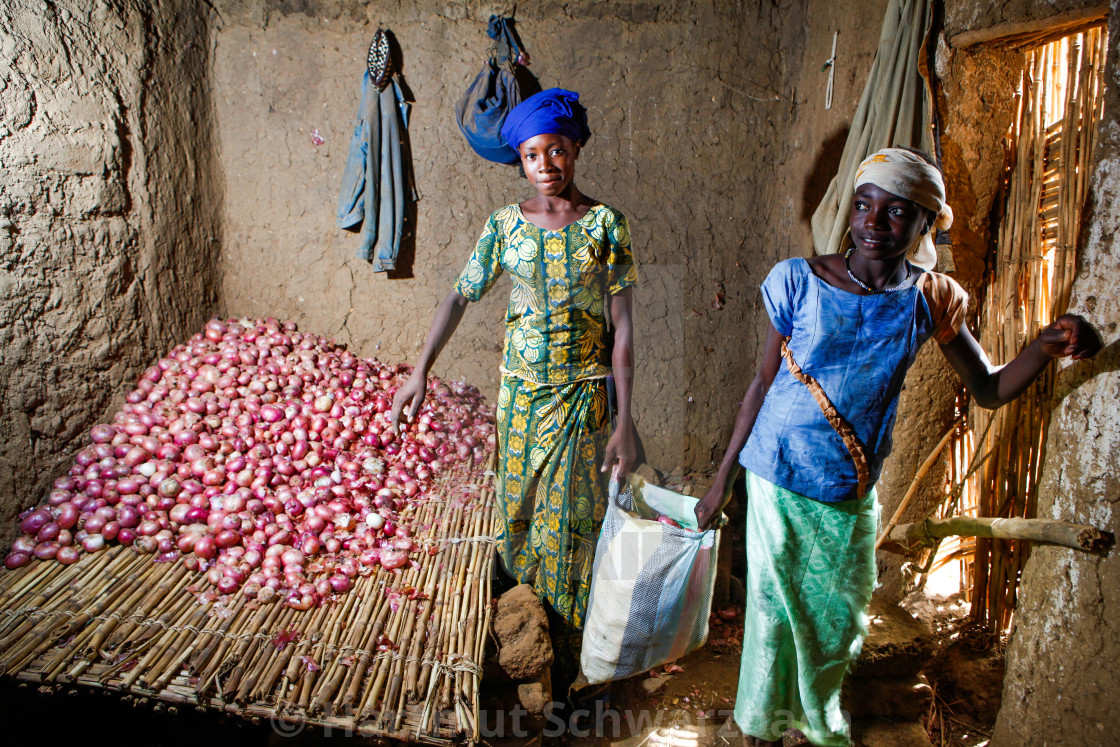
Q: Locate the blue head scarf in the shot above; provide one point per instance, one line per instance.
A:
(554, 111)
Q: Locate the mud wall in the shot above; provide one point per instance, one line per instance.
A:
(108, 220)
(689, 102)
(1061, 679)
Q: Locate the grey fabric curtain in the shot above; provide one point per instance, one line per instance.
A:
(894, 110)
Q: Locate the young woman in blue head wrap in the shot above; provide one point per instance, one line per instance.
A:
(813, 431)
(570, 261)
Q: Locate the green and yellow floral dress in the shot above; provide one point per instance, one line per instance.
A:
(553, 422)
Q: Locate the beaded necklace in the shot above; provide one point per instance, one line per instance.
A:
(865, 286)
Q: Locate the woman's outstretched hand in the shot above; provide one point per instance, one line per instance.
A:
(1070, 335)
(620, 449)
(410, 393)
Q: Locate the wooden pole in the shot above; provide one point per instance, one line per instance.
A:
(1081, 537)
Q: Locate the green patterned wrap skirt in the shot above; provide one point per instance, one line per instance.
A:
(551, 495)
(810, 574)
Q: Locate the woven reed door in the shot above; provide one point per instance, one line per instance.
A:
(1029, 278)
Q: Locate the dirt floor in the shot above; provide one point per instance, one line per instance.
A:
(690, 703)
(966, 671)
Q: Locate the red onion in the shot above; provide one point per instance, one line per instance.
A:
(146, 545)
(93, 542)
(35, 521)
(16, 559)
(58, 497)
(227, 538)
(205, 547)
(128, 485)
(128, 517)
(68, 555)
(392, 559)
(102, 434)
(169, 487)
(292, 557)
(24, 544)
(67, 515)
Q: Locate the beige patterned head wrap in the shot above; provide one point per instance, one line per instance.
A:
(908, 175)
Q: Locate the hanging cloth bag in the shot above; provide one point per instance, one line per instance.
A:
(482, 110)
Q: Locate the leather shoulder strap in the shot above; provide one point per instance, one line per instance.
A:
(842, 427)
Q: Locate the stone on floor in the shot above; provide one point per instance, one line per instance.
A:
(536, 695)
(521, 627)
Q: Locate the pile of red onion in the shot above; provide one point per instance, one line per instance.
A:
(263, 456)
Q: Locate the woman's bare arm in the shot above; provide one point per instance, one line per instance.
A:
(994, 386)
(412, 392)
(621, 447)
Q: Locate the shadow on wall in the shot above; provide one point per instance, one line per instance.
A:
(824, 169)
(1076, 374)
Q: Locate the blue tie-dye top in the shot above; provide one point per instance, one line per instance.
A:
(858, 348)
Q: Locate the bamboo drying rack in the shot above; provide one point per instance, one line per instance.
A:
(399, 655)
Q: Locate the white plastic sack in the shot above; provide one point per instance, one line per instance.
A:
(651, 585)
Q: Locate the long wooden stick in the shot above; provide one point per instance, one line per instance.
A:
(1076, 536)
(916, 482)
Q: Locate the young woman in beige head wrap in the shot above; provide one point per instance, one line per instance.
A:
(813, 431)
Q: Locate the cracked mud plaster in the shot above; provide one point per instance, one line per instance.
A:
(108, 220)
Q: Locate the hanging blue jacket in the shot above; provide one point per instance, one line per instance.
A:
(376, 181)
